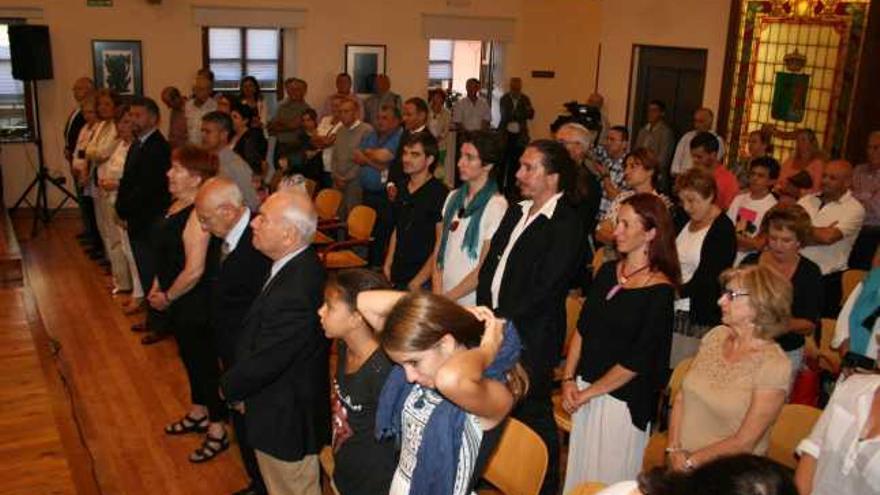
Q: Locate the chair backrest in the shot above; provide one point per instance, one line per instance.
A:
(573, 307)
(519, 463)
(849, 281)
(588, 488)
(795, 422)
(327, 203)
(360, 222)
(311, 186)
(677, 377)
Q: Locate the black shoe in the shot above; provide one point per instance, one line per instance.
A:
(250, 490)
(140, 327)
(94, 254)
(153, 337)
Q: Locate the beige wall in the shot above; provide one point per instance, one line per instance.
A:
(674, 23)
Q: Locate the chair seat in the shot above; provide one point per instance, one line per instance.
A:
(343, 259)
(563, 419)
(322, 238)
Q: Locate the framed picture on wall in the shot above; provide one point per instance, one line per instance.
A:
(118, 66)
(364, 63)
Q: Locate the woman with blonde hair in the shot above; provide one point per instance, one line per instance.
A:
(457, 380)
(736, 385)
(806, 162)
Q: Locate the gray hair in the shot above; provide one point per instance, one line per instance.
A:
(304, 220)
(225, 191)
(584, 135)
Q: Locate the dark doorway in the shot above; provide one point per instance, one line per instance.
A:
(675, 76)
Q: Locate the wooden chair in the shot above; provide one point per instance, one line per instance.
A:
(339, 255)
(849, 281)
(795, 423)
(573, 306)
(519, 463)
(588, 488)
(327, 204)
(328, 464)
(311, 187)
(655, 451)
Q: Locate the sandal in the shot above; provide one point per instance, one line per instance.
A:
(187, 424)
(210, 448)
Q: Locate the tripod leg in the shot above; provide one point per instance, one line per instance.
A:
(23, 198)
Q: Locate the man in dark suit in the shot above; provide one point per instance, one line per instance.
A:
(240, 277)
(526, 277)
(280, 377)
(143, 198)
(74, 124)
(516, 112)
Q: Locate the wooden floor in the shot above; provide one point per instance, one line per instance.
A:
(121, 393)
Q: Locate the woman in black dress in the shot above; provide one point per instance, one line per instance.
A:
(181, 288)
(248, 142)
(618, 357)
(787, 229)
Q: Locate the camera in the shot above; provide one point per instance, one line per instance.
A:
(579, 113)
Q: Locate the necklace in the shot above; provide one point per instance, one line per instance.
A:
(623, 279)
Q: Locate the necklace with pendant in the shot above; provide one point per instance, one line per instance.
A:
(623, 279)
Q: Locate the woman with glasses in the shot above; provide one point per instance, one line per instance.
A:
(737, 383)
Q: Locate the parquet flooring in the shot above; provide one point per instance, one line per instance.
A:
(123, 393)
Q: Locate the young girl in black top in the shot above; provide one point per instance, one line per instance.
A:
(363, 465)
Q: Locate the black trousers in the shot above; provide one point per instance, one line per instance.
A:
(383, 226)
(832, 292)
(536, 411)
(864, 248)
(90, 222)
(145, 259)
(198, 352)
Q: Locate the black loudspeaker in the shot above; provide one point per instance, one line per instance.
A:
(31, 52)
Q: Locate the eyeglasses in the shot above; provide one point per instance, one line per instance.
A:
(733, 294)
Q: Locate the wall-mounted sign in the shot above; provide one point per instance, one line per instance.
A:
(545, 74)
(99, 3)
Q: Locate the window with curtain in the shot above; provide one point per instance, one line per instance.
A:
(13, 114)
(233, 52)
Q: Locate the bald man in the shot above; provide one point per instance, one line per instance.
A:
(279, 379)
(837, 217)
(681, 161)
(383, 97)
(240, 277)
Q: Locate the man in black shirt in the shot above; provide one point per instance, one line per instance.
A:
(418, 205)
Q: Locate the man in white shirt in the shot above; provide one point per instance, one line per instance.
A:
(681, 161)
(471, 113)
(197, 107)
(837, 217)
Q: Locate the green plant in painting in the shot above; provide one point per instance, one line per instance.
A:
(118, 72)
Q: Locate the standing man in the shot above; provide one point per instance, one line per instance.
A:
(418, 216)
(682, 161)
(177, 124)
(197, 107)
(866, 189)
(657, 136)
(142, 200)
(75, 122)
(704, 153)
(344, 170)
(279, 381)
(240, 277)
(383, 96)
(216, 131)
(375, 156)
(471, 113)
(286, 124)
(516, 112)
(837, 217)
(526, 276)
(597, 101)
(415, 119)
(343, 90)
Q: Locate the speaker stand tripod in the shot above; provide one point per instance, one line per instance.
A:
(42, 212)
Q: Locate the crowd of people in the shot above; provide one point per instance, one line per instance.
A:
(458, 320)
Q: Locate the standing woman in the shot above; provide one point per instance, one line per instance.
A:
(438, 124)
(182, 287)
(787, 229)
(79, 169)
(104, 142)
(706, 247)
(807, 160)
(471, 215)
(252, 96)
(624, 334)
(446, 403)
(248, 142)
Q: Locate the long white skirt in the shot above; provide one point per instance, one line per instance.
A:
(604, 445)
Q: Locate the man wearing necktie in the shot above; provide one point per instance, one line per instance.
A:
(240, 277)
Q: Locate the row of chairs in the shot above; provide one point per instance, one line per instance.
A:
(339, 254)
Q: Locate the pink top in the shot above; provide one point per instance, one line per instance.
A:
(728, 186)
